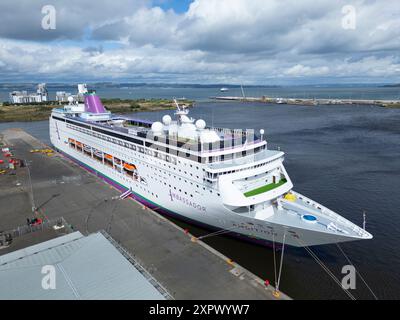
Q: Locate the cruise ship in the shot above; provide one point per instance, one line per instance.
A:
(223, 179)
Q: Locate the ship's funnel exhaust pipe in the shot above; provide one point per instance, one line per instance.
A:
(93, 103)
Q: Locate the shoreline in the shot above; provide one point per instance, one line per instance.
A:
(40, 112)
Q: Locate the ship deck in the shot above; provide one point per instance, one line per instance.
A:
(230, 139)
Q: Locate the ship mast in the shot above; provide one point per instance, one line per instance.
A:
(181, 112)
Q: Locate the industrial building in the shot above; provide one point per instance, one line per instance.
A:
(62, 96)
(41, 95)
(76, 267)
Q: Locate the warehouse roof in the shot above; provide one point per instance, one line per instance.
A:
(84, 267)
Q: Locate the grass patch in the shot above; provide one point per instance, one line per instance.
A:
(267, 187)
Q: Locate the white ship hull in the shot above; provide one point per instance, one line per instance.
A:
(171, 190)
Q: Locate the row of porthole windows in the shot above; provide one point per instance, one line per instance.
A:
(187, 182)
(170, 186)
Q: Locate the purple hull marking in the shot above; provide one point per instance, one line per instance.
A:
(168, 213)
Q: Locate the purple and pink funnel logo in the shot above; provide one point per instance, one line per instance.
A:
(93, 103)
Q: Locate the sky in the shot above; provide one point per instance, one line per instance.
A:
(265, 42)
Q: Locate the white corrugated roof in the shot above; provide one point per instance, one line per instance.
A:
(85, 268)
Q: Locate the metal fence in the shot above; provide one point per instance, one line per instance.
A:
(45, 225)
(138, 266)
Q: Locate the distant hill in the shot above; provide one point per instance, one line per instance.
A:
(395, 85)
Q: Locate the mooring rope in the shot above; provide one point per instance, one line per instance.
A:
(281, 263)
(313, 255)
(217, 233)
(273, 247)
(359, 274)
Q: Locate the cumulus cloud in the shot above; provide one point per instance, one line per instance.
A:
(22, 19)
(235, 41)
(300, 71)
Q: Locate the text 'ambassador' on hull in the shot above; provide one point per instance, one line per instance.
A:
(219, 178)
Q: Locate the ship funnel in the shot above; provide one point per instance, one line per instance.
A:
(93, 103)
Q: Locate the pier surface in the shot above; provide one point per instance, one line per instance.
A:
(316, 101)
(188, 270)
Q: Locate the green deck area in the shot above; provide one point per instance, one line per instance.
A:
(265, 188)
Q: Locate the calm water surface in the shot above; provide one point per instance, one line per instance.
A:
(345, 157)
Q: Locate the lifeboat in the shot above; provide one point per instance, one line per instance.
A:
(108, 156)
(71, 140)
(79, 144)
(117, 161)
(86, 148)
(129, 166)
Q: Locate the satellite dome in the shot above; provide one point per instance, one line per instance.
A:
(70, 99)
(261, 131)
(166, 120)
(200, 124)
(157, 127)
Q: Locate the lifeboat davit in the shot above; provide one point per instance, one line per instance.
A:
(97, 153)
